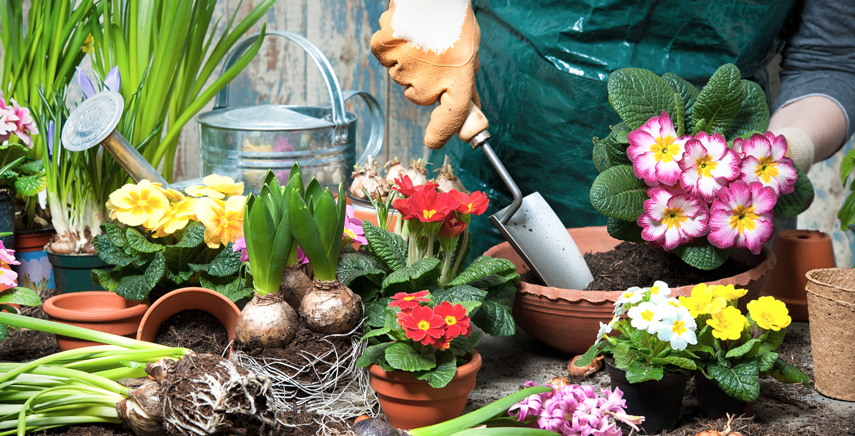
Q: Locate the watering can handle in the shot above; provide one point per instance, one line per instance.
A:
(339, 117)
(378, 125)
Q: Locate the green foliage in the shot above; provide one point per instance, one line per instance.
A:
(617, 193)
(624, 230)
(720, 100)
(141, 263)
(317, 224)
(742, 381)
(19, 296)
(268, 232)
(638, 95)
(701, 255)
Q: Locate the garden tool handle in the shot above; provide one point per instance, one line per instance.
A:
(474, 131)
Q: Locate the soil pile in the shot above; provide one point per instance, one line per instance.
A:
(194, 329)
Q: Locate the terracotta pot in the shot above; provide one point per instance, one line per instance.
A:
(35, 271)
(411, 403)
(568, 319)
(188, 299)
(364, 211)
(96, 310)
(716, 403)
(797, 252)
(831, 306)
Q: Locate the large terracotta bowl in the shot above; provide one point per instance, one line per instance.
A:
(97, 310)
(568, 319)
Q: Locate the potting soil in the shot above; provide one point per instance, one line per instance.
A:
(631, 264)
(194, 329)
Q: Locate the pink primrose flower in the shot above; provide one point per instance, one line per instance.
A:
(765, 162)
(353, 228)
(655, 151)
(24, 125)
(742, 216)
(708, 165)
(7, 257)
(670, 220)
(240, 245)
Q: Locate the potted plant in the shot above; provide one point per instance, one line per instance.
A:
(655, 352)
(423, 362)
(689, 173)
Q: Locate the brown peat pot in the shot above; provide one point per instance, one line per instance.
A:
(97, 310)
(716, 403)
(568, 319)
(658, 401)
(411, 403)
(179, 300)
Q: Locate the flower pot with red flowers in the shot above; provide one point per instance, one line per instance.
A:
(423, 363)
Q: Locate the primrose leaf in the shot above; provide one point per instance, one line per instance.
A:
(234, 288)
(32, 166)
(753, 116)
(847, 166)
(441, 375)
(462, 345)
(225, 264)
(494, 315)
(772, 340)
(688, 92)
(194, 235)
(111, 253)
(115, 233)
(485, 266)
(376, 332)
(766, 361)
(600, 156)
(415, 277)
(638, 373)
(31, 185)
(110, 279)
(133, 287)
(720, 100)
(139, 243)
(403, 356)
(388, 246)
(588, 357)
(701, 255)
(681, 362)
(741, 382)
(21, 296)
(637, 95)
(615, 149)
(624, 355)
(786, 373)
(617, 193)
(624, 230)
(360, 264)
(376, 313)
(796, 202)
(743, 349)
(458, 294)
(373, 354)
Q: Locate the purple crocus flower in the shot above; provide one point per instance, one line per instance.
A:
(50, 133)
(113, 82)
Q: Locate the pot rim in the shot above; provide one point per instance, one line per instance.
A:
(55, 311)
(170, 308)
(398, 376)
(594, 296)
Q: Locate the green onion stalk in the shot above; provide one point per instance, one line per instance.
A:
(172, 390)
(166, 52)
(41, 52)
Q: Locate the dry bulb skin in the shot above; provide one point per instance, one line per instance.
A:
(394, 170)
(147, 397)
(368, 178)
(417, 172)
(295, 284)
(138, 420)
(446, 179)
(160, 370)
(331, 308)
(266, 322)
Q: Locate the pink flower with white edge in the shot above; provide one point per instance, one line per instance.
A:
(765, 162)
(707, 166)
(655, 151)
(736, 147)
(353, 227)
(7, 257)
(240, 245)
(24, 125)
(742, 216)
(8, 277)
(670, 219)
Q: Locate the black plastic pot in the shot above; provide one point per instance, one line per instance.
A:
(658, 401)
(7, 219)
(715, 403)
(73, 273)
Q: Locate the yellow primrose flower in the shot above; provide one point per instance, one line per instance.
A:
(113, 209)
(170, 194)
(769, 313)
(176, 218)
(204, 191)
(223, 184)
(140, 204)
(727, 323)
(87, 44)
(223, 221)
(702, 301)
(728, 292)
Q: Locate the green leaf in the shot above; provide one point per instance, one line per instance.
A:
(470, 306)
(110, 253)
(458, 293)
(359, 264)
(786, 373)
(137, 287)
(847, 166)
(403, 356)
(741, 382)
(600, 156)
(617, 193)
(32, 166)
(110, 280)
(698, 126)
(376, 313)
(772, 340)
(139, 243)
(494, 315)
(679, 112)
(375, 332)
(4, 332)
(388, 246)
(462, 345)
(681, 362)
(415, 277)
(11, 152)
(588, 357)
(194, 235)
(796, 202)
(225, 264)
(701, 255)
(753, 116)
(688, 92)
(30, 186)
(743, 349)
(373, 354)
(234, 288)
(441, 375)
(22, 296)
(482, 267)
(616, 150)
(766, 361)
(115, 233)
(624, 230)
(720, 100)
(638, 95)
(638, 373)
(624, 355)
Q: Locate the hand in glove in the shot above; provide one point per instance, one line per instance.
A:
(413, 43)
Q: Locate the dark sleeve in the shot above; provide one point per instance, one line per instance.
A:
(820, 56)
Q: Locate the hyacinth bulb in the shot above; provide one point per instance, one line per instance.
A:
(417, 172)
(331, 308)
(266, 322)
(394, 170)
(446, 180)
(367, 178)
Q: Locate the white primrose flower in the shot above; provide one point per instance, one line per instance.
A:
(605, 329)
(659, 292)
(677, 327)
(645, 316)
(631, 296)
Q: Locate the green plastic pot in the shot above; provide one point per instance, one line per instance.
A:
(73, 273)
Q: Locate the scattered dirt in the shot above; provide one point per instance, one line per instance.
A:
(194, 329)
(27, 345)
(631, 264)
(306, 341)
(89, 430)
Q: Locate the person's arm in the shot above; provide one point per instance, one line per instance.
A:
(818, 82)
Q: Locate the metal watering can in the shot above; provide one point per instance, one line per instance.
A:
(243, 143)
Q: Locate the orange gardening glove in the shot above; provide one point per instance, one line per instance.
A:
(447, 77)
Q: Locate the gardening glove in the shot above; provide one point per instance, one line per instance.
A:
(799, 146)
(431, 48)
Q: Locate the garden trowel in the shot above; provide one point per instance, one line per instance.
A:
(529, 224)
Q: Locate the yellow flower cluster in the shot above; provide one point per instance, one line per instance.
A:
(728, 322)
(164, 212)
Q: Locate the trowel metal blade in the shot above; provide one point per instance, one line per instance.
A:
(539, 237)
